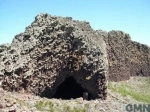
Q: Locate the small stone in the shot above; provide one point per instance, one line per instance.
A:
(9, 105)
(24, 109)
(1, 91)
(14, 110)
(0, 84)
(85, 95)
(80, 99)
(1, 106)
(33, 109)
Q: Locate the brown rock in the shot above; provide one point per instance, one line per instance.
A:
(9, 105)
(126, 57)
(1, 106)
(49, 51)
(52, 49)
(1, 92)
(14, 110)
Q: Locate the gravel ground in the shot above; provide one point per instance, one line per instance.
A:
(19, 102)
(22, 102)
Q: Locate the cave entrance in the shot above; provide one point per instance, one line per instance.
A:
(69, 89)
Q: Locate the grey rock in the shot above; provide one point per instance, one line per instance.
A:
(50, 50)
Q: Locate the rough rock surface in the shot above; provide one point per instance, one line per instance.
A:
(50, 50)
(126, 57)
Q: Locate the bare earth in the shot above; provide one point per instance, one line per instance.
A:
(21, 102)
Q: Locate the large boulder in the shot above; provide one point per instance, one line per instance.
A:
(50, 50)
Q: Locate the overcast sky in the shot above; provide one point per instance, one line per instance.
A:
(130, 16)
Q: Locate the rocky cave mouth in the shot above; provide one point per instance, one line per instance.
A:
(69, 89)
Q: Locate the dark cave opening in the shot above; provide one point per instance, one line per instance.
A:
(69, 89)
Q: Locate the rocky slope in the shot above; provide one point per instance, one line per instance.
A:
(15, 102)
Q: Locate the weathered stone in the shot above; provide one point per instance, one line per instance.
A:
(126, 57)
(52, 49)
(85, 95)
(12, 110)
(1, 106)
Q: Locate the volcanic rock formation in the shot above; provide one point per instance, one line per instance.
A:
(51, 50)
(56, 54)
(126, 58)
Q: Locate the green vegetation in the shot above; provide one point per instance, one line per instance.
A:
(75, 109)
(50, 107)
(139, 91)
(45, 105)
(23, 103)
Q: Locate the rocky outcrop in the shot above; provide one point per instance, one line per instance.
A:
(126, 57)
(50, 50)
(3, 53)
(139, 59)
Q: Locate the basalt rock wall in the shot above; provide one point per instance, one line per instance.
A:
(50, 50)
(126, 57)
(54, 48)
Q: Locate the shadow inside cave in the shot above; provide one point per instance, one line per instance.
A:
(69, 89)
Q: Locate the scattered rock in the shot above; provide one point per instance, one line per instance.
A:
(1, 106)
(14, 110)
